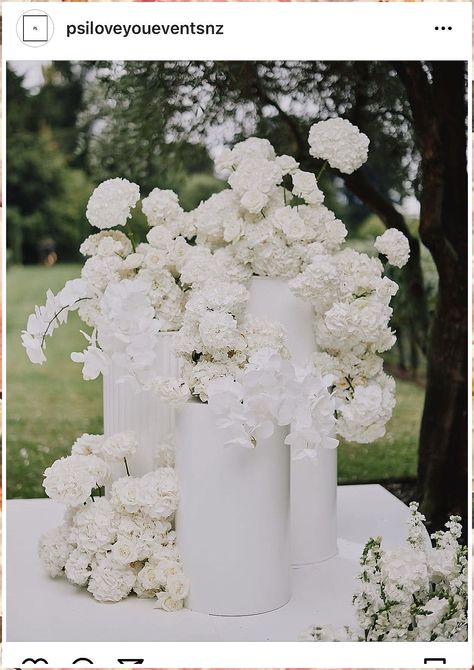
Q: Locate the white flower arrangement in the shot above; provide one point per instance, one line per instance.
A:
(416, 592)
(190, 276)
(119, 544)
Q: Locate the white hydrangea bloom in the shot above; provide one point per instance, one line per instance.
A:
(111, 203)
(110, 581)
(54, 549)
(161, 207)
(340, 143)
(70, 479)
(394, 245)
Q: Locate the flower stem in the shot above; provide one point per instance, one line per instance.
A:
(56, 316)
(324, 166)
(126, 466)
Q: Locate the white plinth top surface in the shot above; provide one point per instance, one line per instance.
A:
(43, 609)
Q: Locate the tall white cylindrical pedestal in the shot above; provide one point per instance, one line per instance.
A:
(142, 412)
(314, 509)
(233, 518)
(271, 297)
(313, 488)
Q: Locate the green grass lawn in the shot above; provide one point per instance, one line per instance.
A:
(48, 406)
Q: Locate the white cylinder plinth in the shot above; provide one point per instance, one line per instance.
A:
(142, 412)
(314, 508)
(233, 518)
(313, 487)
(271, 297)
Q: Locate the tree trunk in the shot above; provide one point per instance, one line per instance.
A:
(438, 103)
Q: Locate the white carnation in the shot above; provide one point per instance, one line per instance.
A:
(110, 581)
(54, 550)
(70, 480)
(120, 445)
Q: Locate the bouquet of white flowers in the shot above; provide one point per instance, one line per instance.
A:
(416, 592)
(121, 543)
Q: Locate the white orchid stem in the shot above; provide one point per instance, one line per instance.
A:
(56, 316)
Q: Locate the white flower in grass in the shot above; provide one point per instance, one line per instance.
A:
(54, 549)
(71, 479)
(394, 245)
(165, 602)
(111, 203)
(120, 445)
(340, 143)
(110, 581)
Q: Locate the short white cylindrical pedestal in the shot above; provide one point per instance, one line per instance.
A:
(271, 297)
(233, 518)
(313, 488)
(142, 412)
(314, 508)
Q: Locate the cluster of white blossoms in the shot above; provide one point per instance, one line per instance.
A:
(351, 300)
(120, 544)
(218, 336)
(340, 143)
(417, 592)
(272, 391)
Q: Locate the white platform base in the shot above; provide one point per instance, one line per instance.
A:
(44, 609)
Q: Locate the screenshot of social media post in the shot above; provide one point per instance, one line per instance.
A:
(238, 383)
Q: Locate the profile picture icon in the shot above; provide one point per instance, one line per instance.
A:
(35, 28)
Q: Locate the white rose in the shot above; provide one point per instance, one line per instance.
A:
(177, 586)
(167, 603)
(124, 551)
(150, 577)
(254, 201)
